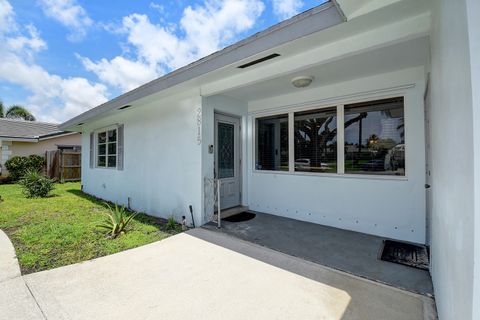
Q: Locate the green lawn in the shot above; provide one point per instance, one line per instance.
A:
(61, 229)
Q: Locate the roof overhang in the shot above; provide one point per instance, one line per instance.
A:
(299, 26)
(18, 139)
(37, 139)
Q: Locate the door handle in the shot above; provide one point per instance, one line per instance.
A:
(427, 186)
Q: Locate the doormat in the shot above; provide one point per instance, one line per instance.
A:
(405, 253)
(240, 217)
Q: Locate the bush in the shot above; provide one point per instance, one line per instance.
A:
(171, 224)
(18, 166)
(35, 185)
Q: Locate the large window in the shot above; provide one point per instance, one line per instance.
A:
(316, 140)
(371, 140)
(107, 148)
(272, 143)
(375, 137)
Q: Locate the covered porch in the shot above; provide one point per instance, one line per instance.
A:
(347, 149)
(347, 251)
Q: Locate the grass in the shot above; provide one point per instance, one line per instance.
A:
(62, 229)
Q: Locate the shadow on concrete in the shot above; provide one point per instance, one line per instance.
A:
(366, 299)
(352, 252)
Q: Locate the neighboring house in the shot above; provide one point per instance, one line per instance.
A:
(341, 116)
(23, 138)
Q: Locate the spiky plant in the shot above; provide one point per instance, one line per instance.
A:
(171, 224)
(117, 220)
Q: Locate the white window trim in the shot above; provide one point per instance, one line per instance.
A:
(339, 103)
(96, 132)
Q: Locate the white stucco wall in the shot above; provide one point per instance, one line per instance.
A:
(473, 8)
(452, 160)
(392, 207)
(229, 106)
(162, 163)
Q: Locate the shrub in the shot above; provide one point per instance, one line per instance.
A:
(18, 166)
(36, 162)
(35, 185)
(171, 224)
(117, 220)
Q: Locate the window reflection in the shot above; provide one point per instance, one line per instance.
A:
(375, 137)
(272, 143)
(316, 140)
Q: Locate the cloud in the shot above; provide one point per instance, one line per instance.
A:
(31, 42)
(158, 48)
(285, 9)
(52, 98)
(120, 72)
(6, 17)
(70, 14)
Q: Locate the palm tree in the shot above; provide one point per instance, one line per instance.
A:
(16, 112)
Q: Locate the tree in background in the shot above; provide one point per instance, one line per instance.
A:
(16, 112)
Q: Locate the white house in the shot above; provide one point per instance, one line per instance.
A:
(344, 115)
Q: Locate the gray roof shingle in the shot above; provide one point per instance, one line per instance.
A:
(12, 128)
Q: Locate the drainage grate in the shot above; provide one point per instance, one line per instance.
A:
(239, 217)
(405, 253)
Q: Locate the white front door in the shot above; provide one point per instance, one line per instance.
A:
(227, 159)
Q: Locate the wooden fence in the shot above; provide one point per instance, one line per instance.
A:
(63, 165)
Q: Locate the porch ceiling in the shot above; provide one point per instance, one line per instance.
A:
(411, 53)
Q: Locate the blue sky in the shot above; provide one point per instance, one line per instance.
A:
(62, 57)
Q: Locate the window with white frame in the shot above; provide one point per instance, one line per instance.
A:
(372, 139)
(272, 143)
(107, 148)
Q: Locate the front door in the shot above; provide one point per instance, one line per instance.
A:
(227, 159)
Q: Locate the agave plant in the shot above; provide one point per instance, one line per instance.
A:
(117, 220)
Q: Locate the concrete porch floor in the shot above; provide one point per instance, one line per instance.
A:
(347, 251)
(203, 274)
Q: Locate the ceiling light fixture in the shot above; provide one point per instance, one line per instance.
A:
(302, 81)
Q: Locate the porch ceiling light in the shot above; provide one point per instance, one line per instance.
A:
(302, 81)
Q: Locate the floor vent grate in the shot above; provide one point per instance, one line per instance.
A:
(408, 254)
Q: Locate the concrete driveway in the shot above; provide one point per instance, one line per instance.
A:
(206, 275)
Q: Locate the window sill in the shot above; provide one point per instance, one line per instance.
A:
(334, 175)
(106, 168)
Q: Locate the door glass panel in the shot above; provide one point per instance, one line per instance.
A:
(226, 163)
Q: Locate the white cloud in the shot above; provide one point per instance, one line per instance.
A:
(32, 42)
(285, 9)
(6, 16)
(53, 98)
(160, 8)
(120, 72)
(70, 14)
(159, 49)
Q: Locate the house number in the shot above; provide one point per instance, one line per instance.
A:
(199, 126)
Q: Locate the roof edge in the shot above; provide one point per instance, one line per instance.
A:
(276, 35)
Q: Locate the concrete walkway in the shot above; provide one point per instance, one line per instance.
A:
(206, 275)
(16, 301)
